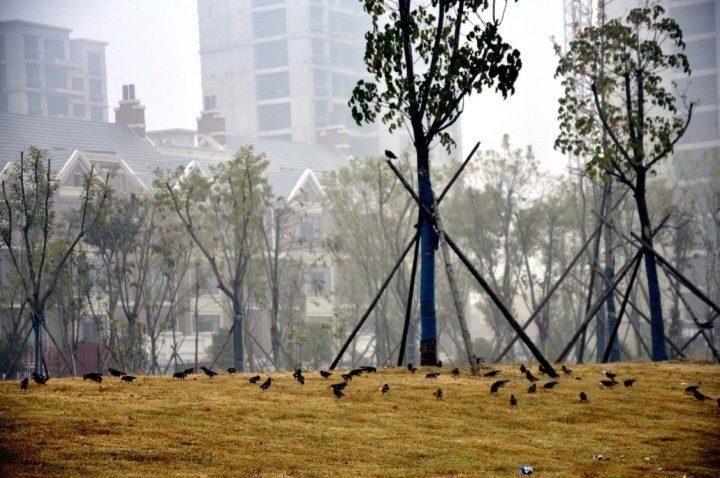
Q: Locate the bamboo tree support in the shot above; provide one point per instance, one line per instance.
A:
(408, 307)
(459, 308)
(616, 327)
(67, 362)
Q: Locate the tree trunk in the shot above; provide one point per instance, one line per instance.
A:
(238, 335)
(657, 334)
(37, 319)
(428, 245)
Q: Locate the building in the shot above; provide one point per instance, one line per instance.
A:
(44, 72)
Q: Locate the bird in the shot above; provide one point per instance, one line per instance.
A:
(325, 374)
(385, 389)
(347, 377)
(95, 377)
(255, 379)
(231, 370)
(513, 401)
(128, 378)
(338, 392)
(532, 388)
(438, 394)
(523, 369)
(24, 384)
(455, 372)
(629, 382)
(368, 369)
(439, 364)
(541, 370)
(266, 384)
(339, 386)
(432, 375)
(583, 397)
(189, 371)
(390, 154)
(300, 379)
(566, 370)
(115, 372)
(39, 379)
(609, 374)
(180, 375)
(530, 376)
(491, 373)
(356, 372)
(208, 372)
(608, 383)
(700, 396)
(298, 371)
(692, 388)
(549, 385)
(496, 386)
(411, 368)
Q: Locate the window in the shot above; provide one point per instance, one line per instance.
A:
(89, 331)
(3, 78)
(32, 47)
(308, 228)
(265, 3)
(321, 112)
(343, 85)
(78, 84)
(272, 85)
(700, 88)
(208, 323)
(275, 116)
(78, 110)
(318, 282)
(269, 23)
(703, 127)
(55, 77)
(95, 63)
(702, 54)
(320, 80)
(54, 50)
(271, 54)
(694, 19)
(346, 55)
(317, 19)
(34, 104)
(277, 137)
(209, 102)
(32, 75)
(2, 47)
(96, 91)
(57, 105)
(319, 54)
(347, 24)
(96, 113)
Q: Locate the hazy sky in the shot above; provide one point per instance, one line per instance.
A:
(154, 44)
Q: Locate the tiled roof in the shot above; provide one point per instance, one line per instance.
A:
(283, 155)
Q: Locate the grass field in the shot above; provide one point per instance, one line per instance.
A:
(226, 427)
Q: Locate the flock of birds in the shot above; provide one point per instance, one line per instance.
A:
(338, 388)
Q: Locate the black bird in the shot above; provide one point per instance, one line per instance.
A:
(700, 396)
(347, 377)
(522, 368)
(368, 369)
(439, 363)
(629, 382)
(189, 371)
(128, 378)
(231, 370)
(208, 372)
(180, 375)
(542, 370)
(298, 371)
(24, 384)
(325, 374)
(513, 401)
(115, 372)
(491, 373)
(411, 368)
(39, 379)
(566, 370)
(95, 377)
(356, 372)
(609, 374)
(583, 397)
(338, 386)
(338, 392)
(496, 386)
(692, 388)
(390, 154)
(438, 394)
(266, 384)
(385, 389)
(549, 385)
(455, 372)
(255, 379)
(300, 379)
(530, 376)
(608, 383)
(432, 375)
(532, 388)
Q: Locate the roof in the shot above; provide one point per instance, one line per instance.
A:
(62, 136)
(283, 155)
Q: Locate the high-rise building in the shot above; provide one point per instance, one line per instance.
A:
(43, 72)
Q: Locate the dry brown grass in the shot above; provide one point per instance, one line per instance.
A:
(227, 427)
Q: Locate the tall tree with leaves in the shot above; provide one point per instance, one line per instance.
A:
(28, 226)
(641, 115)
(459, 45)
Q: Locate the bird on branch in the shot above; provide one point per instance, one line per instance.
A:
(389, 154)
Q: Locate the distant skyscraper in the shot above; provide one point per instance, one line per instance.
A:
(44, 72)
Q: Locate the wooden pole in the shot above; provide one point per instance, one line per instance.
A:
(408, 306)
(616, 327)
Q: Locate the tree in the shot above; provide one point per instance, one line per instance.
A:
(28, 226)
(633, 106)
(463, 54)
(223, 214)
